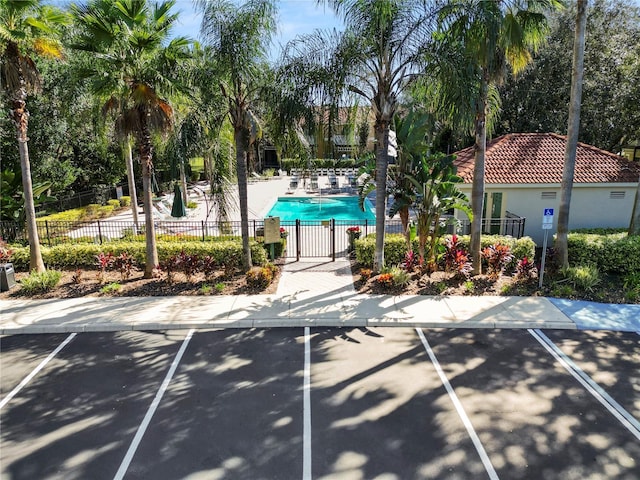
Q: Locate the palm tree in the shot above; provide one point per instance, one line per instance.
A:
(237, 37)
(27, 29)
(131, 68)
(573, 127)
(435, 181)
(491, 36)
(377, 57)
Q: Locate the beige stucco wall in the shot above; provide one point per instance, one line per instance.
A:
(591, 205)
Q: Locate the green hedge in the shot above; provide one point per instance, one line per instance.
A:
(83, 255)
(395, 247)
(615, 253)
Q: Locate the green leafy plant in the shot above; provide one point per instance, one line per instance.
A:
(205, 289)
(40, 282)
(469, 286)
(220, 286)
(584, 277)
(192, 204)
(110, 288)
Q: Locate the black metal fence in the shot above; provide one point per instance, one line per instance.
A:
(327, 238)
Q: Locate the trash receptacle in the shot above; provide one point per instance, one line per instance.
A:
(7, 277)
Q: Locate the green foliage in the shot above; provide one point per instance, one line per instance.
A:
(399, 277)
(220, 286)
(224, 253)
(125, 201)
(614, 253)
(632, 287)
(115, 203)
(395, 249)
(192, 204)
(110, 288)
(40, 282)
(584, 277)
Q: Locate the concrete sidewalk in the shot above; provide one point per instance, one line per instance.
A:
(315, 293)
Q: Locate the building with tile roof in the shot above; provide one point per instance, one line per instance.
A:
(523, 173)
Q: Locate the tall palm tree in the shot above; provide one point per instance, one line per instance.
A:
(491, 36)
(573, 128)
(377, 57)
(27, 29)
(134, 70)
(238, 37)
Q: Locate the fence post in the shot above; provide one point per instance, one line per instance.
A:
(99, 232)
(203, 227)
(333, 239)
(297, 239)
(46, 227)
(366, 227)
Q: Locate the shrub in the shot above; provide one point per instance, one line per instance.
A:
(5, 252)
(583, 278)
(259, 277)
(124, 263)
(103, 262)
(498, 257)
(40, 282)
(125, 201)
(399, 277)
(395, 248)
(192, 204)
(525, 270)
(225, 252)
(115, 203)
(456, 258)
(615, 253)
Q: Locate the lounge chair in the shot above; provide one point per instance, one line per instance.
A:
(293, 184)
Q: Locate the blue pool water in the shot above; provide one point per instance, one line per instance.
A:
(321, 208)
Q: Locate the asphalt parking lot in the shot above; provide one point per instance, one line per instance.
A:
(321, 403)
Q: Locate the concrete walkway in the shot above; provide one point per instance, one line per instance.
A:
(309, 294)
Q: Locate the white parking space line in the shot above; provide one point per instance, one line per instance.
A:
(35, 371)
(152, 409)
(587, 382)
(306, 434)
(460, 409)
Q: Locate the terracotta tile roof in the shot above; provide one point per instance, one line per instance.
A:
(531, 158)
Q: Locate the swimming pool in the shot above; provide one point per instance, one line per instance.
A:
(321, 208)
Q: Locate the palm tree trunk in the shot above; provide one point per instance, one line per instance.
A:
(382, 163)
(183, 183)
(132, 184)
(20, 117)
(477, 189)
(146, 159)
(634, 226)
(573, 128)
(241, 137)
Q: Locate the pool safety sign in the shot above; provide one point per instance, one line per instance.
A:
(547, 219)
(271, 230)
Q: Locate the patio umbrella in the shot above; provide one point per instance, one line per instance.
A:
(178, 210)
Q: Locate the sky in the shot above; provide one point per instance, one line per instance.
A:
(296, 17)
